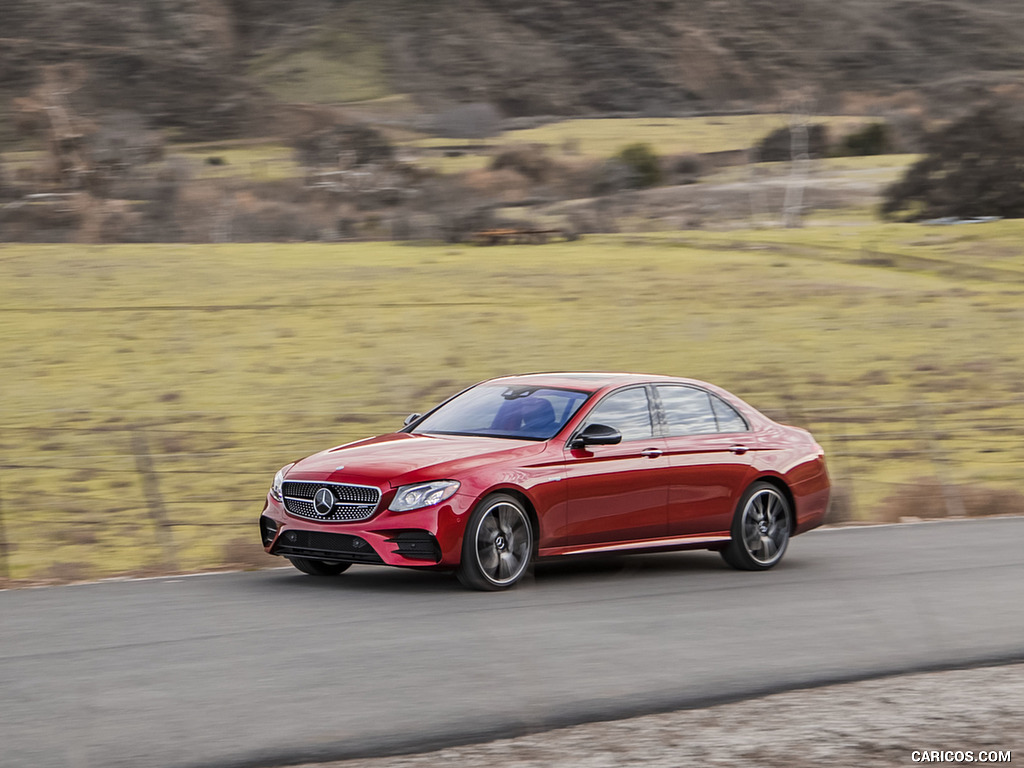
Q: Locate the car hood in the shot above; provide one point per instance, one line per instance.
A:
(402, 458)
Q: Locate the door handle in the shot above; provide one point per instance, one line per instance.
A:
(739, 450)
(651, 453)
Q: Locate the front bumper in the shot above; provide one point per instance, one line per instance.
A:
(428, 537)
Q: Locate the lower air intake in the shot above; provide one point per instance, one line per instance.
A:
(317, 545)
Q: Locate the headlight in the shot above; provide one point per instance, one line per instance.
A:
(423, 495)
(275, 487)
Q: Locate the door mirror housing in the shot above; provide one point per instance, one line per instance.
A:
(411, 418)
(596, 434)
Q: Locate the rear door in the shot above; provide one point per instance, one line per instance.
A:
(708, 446)
(619, 492)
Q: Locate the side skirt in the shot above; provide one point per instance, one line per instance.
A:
(649, 545)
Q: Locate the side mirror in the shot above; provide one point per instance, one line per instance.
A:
(411, 418)
(596, 434)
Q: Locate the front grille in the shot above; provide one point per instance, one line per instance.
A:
(325, 546)
(352, 502)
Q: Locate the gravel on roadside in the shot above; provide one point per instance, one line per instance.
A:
(872, 723)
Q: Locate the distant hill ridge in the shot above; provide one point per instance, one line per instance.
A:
(214, 67)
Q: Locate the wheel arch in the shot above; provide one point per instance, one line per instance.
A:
(531, 511)
(780, 485)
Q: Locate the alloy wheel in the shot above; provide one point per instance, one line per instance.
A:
(503, 543)
(765, 526)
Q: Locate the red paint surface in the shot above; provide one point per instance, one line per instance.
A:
(608, 498)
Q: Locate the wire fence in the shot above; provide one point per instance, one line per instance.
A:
(166, 492)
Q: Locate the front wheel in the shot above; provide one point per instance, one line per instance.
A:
(760, 529)
(319, 567)
(497, 546)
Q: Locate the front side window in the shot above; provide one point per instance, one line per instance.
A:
(495, 410)
(687, 411)
(628, 411)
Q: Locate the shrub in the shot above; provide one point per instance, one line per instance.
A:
(777, 146)
(872, 139)
(609, 177)
(343, 145)
(528, 161)
(971, 168)
(685, 169)
(458, 226)
(643, 164)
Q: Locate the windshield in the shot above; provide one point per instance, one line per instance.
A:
(526, 413)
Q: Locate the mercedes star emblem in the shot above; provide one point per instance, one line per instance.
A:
(323, 502)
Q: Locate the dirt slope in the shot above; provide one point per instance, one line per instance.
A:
(190, 62)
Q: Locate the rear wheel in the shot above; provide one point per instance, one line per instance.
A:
(498, 544)
(760, 529)
(319, 567)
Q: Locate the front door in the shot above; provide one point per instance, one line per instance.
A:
(618, 493)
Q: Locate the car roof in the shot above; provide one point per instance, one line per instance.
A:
(587, 381)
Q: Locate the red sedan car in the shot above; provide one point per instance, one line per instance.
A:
(553, 465)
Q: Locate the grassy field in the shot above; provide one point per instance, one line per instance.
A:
(338, 63)
(900, 345)
(247, 160)
(268, 159)
(604, 137)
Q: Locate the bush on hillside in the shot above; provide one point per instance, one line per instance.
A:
(972, 168)
(343, 146)
(777, 146)
(872, 139)
(642, 163)
(528, 161)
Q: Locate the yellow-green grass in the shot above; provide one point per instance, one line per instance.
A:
(340, 64)
(459, 164)
(258, 162)
(17, 159)
(873, 169)
(990, 250)
(604, 137)
(226, 362)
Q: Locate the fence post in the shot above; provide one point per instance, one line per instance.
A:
(154, 500)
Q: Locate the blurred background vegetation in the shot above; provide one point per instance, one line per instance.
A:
(237, 231)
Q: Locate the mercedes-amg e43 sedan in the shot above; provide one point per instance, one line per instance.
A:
(553, 465)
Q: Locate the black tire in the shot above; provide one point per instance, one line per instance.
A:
(497, 547)
(761, 529)
(319, 567)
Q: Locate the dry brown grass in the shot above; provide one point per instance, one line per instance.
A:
(928, 498)
(245, 552)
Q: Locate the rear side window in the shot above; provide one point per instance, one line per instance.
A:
(628, 411)
(687, 411)
(729, 419)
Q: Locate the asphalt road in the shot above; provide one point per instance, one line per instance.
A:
(273, 667)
